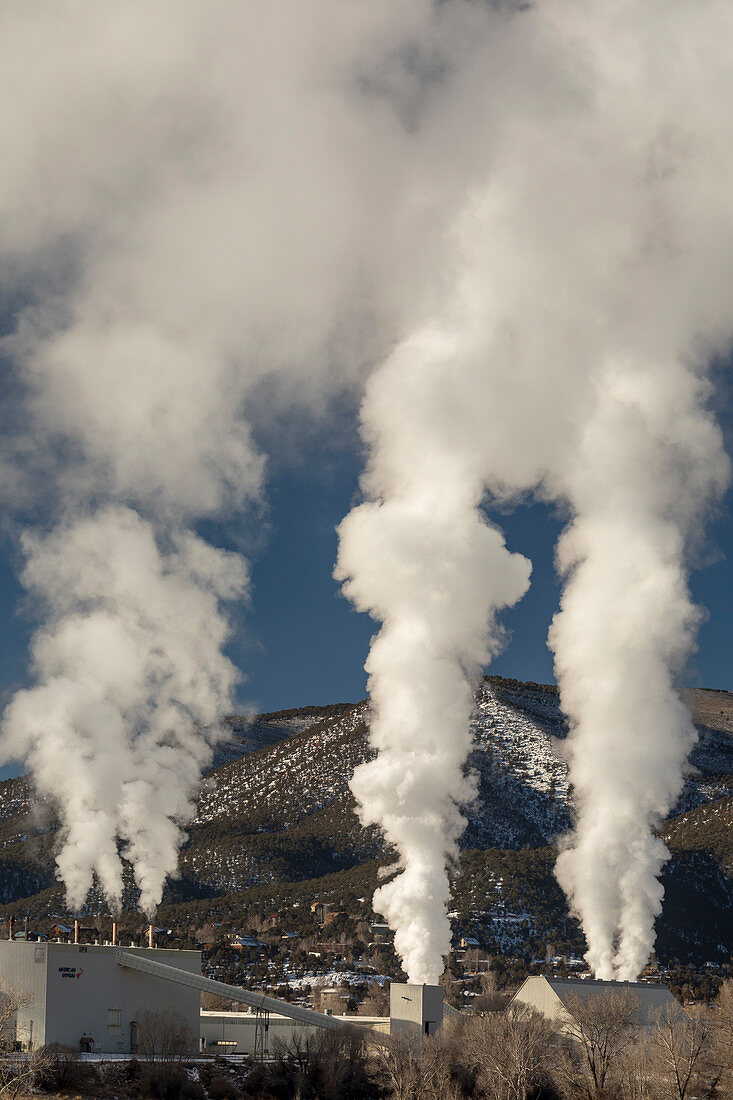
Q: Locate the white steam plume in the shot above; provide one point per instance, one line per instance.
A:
(566, 349)
(421, 559)
(128, 662)
(649, 460)
(201, 203)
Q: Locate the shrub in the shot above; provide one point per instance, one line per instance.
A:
(163, 1080)
(223, 1089)
(192, 1090)
(60, 1067)
(132, 1070)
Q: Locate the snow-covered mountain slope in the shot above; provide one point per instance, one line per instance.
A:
(281, 813)
(244, 733)
(289, 780)
(518, 756)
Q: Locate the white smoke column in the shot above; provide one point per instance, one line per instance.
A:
(420, 557)
(581, 298)
(206, 209)
(649, 461)
(128, 663)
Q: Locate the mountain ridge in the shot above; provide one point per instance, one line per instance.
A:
(279, 820)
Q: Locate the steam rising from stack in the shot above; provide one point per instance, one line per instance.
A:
(422, 559)
(591, 275)
(202, 210)
(128, 661)
(524, 217)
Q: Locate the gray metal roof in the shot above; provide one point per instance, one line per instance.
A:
(652, 997)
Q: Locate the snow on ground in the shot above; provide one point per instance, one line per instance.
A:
(520, 744)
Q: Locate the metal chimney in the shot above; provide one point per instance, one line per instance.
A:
(76, 931)
(150, 936)
(114, 933)
(11, 927)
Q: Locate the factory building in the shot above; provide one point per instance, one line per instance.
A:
(252, 1032)
(415, 1010)
(554, 998)
(79, 994)
(106, 998)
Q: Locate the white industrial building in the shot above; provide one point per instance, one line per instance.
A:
(415, 1010)
(252, 1032)
(80, 995)
(101, 999)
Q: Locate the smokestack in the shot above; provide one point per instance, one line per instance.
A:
(150, 936)
(415, 1011)
(76, 931)
(11, 927)
(114, 933)
(27, 925)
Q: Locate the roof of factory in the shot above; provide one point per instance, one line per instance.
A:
(554, 996)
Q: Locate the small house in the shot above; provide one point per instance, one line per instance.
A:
(62, 932)
(243, 942)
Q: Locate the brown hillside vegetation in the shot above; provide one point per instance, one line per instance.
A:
(277, 829)
(713, 708)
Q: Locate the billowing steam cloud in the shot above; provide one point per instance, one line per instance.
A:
(523, 213)
(201, 204)
(128, 661)
(648, 461)
(589, 288)
(423, 561)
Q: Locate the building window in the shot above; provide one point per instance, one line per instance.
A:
(114, 1017)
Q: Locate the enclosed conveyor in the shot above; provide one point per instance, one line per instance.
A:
(257, 1001)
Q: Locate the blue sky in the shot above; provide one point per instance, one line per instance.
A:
(302, 643)
(299, 642)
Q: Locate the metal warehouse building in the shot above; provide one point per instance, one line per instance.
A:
(85, 997)
(555, 997)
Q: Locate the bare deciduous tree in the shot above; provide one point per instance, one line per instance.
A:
(19, 1070)
(491, 998)
(635, 1071)
(508, 1052)
(681, 1043)
(436, 1068)
(165, 1040)
(412, 1068)
(326, 1064)
(721, 1024)
(396, 1062)
(164, 1036)
(598, 1034)
(376, 1002)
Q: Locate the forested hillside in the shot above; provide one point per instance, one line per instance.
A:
(277, 830)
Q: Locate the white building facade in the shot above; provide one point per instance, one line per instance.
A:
(246, 1033)
(78, 995)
